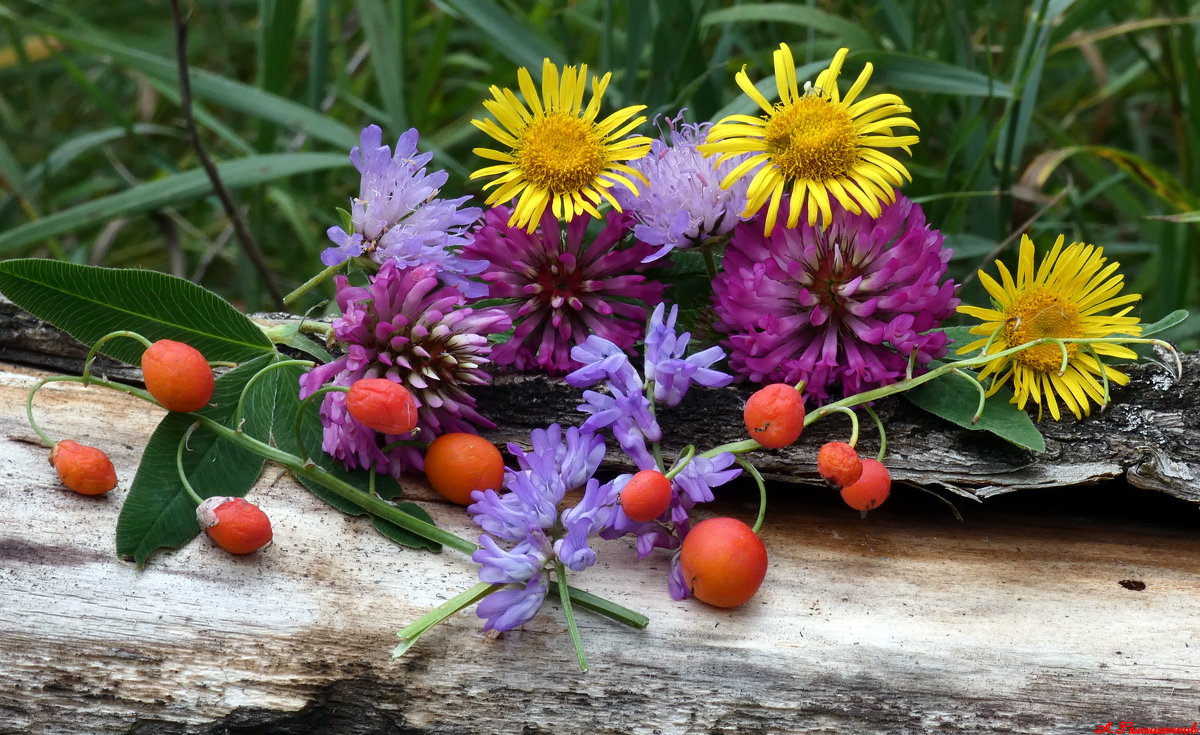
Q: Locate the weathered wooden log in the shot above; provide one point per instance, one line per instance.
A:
(1149, 435)
(907, 621)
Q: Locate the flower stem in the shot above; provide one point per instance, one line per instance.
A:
(608, 608)
(685, 458)
(882, 432)
(853, 424)
(762, 492)
(311, 283)
(91, 355)
(29, 412)
(564, 594)
(237, 413)
(187, 486)
(409, 635)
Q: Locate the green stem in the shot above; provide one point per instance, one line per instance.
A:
(762, 492)
(237, 412)
(608, 608)
(91, 355)
(409, 635)
(655, 447)
(684, 459)
(882, 433)
(187, 486)
(29, 412)
(982, 395)
(311, 283)
(710, 261)
(564, 594)
(853, 424)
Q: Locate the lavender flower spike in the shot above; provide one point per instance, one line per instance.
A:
(397, 215)
(684, 204)
(528, 514)
(665, 365)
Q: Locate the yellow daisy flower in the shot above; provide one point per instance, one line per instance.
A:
(816, 143)
(1063, 299)
(556, 152)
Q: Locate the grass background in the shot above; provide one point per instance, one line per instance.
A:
(1054, 116)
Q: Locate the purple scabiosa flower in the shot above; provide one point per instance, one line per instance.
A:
(397, 216)
(528, 514)
(846, 305)
(683, 204)
(559, 286)
(671, 372)
(407, 327)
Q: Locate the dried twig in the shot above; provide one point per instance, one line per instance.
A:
(245, 237)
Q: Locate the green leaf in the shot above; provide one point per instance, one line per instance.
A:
(522, 43)
(158, 512)
(1175, 318)
(849, 34)
(89, 302)
(920, 74)
(311, 432)
(954, 398)
(289, 334)
(167, 191)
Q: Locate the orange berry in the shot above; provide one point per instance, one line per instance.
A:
(839, 464)
(84, 469)
(177, 375)
(235, 525)
(872, 488)
(723, 562)
(775, 415)
(458, 463)
(646, 496)
(382, 405)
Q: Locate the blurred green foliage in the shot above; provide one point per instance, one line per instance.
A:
(1073, 116)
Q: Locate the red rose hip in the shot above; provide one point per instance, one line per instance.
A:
(723, 562)
(774, 415)
(872, 488)
(177, 375)
(646, 496)
(839, 464)
(86, 470)
(382, 405)
(234, 524)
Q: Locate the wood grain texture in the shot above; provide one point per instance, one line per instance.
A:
(908, 621)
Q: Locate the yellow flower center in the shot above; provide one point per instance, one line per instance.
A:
(1037, 314)
(812, 138)
(560, 154)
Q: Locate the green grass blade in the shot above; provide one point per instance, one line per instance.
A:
(521, 43)
(167, 191)
(383, 34)
(847, 32)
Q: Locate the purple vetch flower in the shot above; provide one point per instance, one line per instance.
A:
(683, 204)
(846, 305)
(396, 215)
(671, 372)
(624, 409)
(559, 286)
(407, 327)
(527, 515)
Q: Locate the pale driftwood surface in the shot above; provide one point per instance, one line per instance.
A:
(908, 621)
(1149, 436)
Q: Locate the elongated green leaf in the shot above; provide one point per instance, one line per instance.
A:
(167, 191)
(387, 59)
(1175, 318)
(955, 398)
(158, 513)
(848, 33)
(213, 87)
(919, 74)
(520, 43)
(89, 302)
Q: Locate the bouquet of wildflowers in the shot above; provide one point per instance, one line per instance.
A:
(828, 291)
